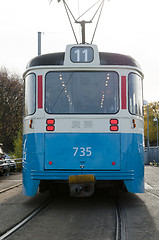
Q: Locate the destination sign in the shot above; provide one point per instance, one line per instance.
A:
(82, 54)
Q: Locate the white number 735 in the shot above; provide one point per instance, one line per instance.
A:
(82, 151)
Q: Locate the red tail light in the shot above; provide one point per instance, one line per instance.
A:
(50, 121)
(114, 125)
(50, 124)
(113, 121)
(50, 128)
(113, 128)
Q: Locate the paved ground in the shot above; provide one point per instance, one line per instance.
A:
(89, 218)
(72, 219)
(142, 210)
(12, 179)
(14, 206)
(152, 179)
(151, 198)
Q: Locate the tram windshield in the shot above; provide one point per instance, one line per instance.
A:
(82, 92)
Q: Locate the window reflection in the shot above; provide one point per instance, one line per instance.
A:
(30, 94)
(135, 94)
(82, 92)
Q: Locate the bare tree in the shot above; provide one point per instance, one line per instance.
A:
(11, 108)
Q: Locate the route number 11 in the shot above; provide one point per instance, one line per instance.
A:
(82, 54)
(85, 52)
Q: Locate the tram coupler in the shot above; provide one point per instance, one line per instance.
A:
(81, 185)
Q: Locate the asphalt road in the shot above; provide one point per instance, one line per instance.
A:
(92, 218)
(12, 179)
(13, 205)
(73, 219)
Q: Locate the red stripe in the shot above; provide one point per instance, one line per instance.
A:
(40, 91)
(123, 92)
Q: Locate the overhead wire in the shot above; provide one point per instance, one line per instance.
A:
(68, 11)
(79, 16)
(87, 10)
(97, 21)
(65, 5)
(97, 11)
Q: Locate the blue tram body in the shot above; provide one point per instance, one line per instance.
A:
(83, 121)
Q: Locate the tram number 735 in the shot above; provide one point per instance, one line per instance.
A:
(82, 151)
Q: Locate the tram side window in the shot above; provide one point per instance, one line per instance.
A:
(135, 94)
(30, 94)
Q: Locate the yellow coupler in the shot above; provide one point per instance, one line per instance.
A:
(81, 178)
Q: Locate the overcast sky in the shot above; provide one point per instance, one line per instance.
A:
(126, 26)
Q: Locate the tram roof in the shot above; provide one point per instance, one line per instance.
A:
(105, 59)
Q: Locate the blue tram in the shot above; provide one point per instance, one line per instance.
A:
(83, 121)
